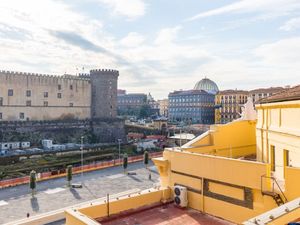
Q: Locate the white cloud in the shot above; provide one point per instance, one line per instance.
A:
(167, 35)
(269, 7)
(132, 9)
(133, 39)
(291, 24)
(285, 52)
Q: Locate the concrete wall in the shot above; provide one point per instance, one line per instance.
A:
(80, 215)
(75, 98)
(235, 139)
(216, 185)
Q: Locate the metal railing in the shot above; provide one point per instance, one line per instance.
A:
(273, 183)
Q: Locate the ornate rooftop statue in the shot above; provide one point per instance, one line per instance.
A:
(248, 111)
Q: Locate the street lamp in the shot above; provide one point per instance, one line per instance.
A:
(81, 148)
(119, 142)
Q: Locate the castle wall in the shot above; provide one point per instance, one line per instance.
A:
(26, 96)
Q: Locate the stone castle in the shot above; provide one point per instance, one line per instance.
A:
(28, 96)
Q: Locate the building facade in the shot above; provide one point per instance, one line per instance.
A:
(196, 105)
(163, 107)
(229, 105)
(29, 96)
(229, 102)
(130, 104)
(257, 94)
(193, 106)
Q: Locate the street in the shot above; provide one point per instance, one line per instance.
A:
(16, 202)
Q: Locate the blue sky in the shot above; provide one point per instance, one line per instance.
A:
(159, 45)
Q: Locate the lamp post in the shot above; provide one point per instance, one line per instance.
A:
(119, 142)
(81, 148)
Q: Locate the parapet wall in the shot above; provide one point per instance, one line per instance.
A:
(38, 75)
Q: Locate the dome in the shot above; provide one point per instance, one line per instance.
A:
(207, 85)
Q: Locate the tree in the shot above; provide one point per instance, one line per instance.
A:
(69, 175)
(125, 162)
(32, 181)
(145, 111)
(146, 159)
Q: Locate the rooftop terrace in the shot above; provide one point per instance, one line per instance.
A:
(163, 215)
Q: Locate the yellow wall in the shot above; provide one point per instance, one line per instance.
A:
(224, 176)
(292, 183)
(146, 197)
(278, 125)
(235, 139)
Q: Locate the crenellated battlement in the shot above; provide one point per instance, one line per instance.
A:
(38, 75)
(113, 72)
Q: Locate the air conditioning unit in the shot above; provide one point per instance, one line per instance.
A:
(180, 196)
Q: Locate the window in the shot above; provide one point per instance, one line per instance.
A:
(58, 95)
(71, 87)
(28, 93)
(59, 87)
(45, 103)
(28, 103)
(1, 101)
(272, 158)
(0, 115)
(45, 94)
(10, 92)
(71, 104)
(22, 116)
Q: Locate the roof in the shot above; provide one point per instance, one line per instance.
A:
(226, 92)
(207, 85)
(188, 92)
(266, 90)
(285, 95)
(183, 136)
(166, 214)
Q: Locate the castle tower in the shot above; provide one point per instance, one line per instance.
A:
(104, 86)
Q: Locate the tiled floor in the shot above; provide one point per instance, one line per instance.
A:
(165, 215)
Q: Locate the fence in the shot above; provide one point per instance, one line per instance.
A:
(78, 169)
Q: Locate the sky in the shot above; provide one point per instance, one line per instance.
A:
(158, 46)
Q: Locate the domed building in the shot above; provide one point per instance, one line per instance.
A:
(207, 85)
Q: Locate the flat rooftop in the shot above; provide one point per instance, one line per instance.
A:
(167, 214)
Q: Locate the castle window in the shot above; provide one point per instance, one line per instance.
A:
(71, 104)
(45, 94)
(71, 87)
(1, 101)
(21, 115)
(59, 87)
(1, 116)
(28, 103)
(58, 95)
(10, 92)
(28, 93)
(45, 103)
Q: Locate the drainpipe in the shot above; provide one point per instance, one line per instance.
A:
(202, 192)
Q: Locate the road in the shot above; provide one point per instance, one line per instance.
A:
(16, 202)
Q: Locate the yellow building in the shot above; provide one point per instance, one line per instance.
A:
(163, 107)
(246, 171)
(228, 105)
